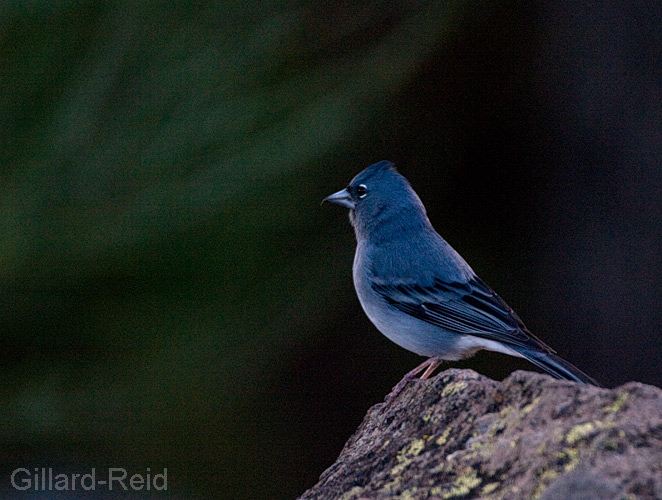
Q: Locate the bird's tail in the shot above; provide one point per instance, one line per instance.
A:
(557, 366)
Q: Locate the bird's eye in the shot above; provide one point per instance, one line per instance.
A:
(361, 190)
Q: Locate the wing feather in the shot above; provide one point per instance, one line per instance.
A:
(469, 308)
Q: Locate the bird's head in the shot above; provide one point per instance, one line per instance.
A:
(379, 199)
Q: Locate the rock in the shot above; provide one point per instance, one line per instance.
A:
(461, 435)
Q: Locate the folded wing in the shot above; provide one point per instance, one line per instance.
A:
(469, 308)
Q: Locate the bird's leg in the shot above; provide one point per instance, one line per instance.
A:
(434, 362)
(429, 365)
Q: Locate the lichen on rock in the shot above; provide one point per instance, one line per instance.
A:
(462, 435)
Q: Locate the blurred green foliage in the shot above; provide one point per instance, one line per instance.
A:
(160, 252)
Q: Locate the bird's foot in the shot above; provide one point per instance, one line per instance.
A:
(429, 365)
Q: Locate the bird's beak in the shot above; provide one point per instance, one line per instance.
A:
(341, 198)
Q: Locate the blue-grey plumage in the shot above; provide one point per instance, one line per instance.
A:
(419, 292)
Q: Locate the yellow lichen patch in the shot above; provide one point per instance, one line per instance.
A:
(431, 417)
(567, 453)
(489, 488)
(453, 388)
(548, 475)
(404, 455)
(395, 471)
(353, 493)
(499, 424)
(527, 409)
(476, 445)
(441, 440)
(572, 457)
(618, 404)
(415, 447)
(505, 412)
(463, 484)
(537, 493)
(610, 444)
(571, 465)
(390, 485)
(582, 431)
(408, 494)
(411, 449)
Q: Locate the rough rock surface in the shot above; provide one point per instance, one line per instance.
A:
(461, 435)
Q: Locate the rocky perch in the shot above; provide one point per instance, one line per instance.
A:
(461, 435)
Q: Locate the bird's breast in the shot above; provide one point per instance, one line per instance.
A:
(403, 329)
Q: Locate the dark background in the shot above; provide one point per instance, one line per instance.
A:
(172, 294)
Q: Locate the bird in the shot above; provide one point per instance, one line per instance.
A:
(419, 292)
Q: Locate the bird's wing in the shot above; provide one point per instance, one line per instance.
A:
(466, 308)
